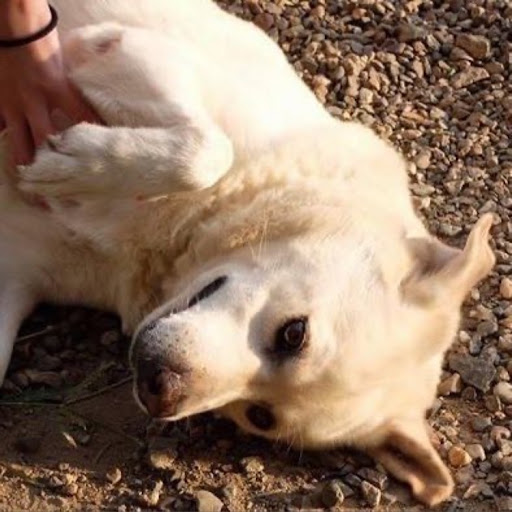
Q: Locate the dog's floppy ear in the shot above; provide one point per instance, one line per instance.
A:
(408, 454)
(446, 275)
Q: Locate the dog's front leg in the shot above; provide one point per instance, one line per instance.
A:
(91, 162)
(16, 302)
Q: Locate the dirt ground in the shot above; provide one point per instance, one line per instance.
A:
(434, 78)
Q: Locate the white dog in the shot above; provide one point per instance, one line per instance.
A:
(266, 256)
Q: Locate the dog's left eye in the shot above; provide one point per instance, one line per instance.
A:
(292, 336)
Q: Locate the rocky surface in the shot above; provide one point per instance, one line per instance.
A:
(433, 77)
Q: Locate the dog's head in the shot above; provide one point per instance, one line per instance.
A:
(316, 339)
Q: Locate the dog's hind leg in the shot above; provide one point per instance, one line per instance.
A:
(16, 302)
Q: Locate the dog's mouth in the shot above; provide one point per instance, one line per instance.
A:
(174, 406)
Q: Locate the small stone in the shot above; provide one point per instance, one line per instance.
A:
(505, 344)
(69, 489)
(492, 403)
(230, 491)
(208, 502)
(504, 503)
(408, 32)
(372, 494)
(503, 390)
(459, 54)
(114, 476)
(469, 76)
(332, 494)
(353, 480)
(422, 160)
(374, 477)
(365, 96)
(505, 447)
(422, 189)
(477, 372)
(477, 489)
(469, 393)
(450, 385)
(506, 288)
(264, 20)
(50, 379)
(161, 453)
(479, 47)
(252, 464)
(458, 457)
(28, 445)
(151, 498)
(481, 423)
(476, 451)
(55, 482)
(499, 432)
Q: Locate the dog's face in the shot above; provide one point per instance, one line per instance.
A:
(312, 340)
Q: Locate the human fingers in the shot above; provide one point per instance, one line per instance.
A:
(19, 139)
(39, 121)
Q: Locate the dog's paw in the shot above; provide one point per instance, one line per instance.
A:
(70, 165)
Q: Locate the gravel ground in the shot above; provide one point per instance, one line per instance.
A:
(434, 77)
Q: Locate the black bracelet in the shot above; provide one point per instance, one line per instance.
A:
(22, 41)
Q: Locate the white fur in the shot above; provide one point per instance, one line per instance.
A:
(219, 161)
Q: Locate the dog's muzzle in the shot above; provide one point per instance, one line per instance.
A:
(159, 385)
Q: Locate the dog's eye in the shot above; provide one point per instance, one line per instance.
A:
(291, 337)
(260, 417)
(208, 290)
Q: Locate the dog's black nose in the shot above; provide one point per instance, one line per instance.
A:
(159, 387)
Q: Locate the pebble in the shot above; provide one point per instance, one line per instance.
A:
(481, 423)
(505, 344)
(252, 465)
(450, 385)
(161, 453)
(371, 494)
(375, 477)
(151, 498)
(458, 457)
(504, 503)
(479, 47)
(332, 494)
(69, 489)
(50, 379)
(207, 502)
(476, 489)
(503, 390)
(469, 76)
(477, 372)
(408, 32)
(499, 432)
(476, 451)
(422, 160)
(506, 288)
(114, 475)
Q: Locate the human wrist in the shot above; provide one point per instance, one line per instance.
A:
(21, 18)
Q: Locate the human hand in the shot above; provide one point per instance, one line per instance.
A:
(36, 99)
